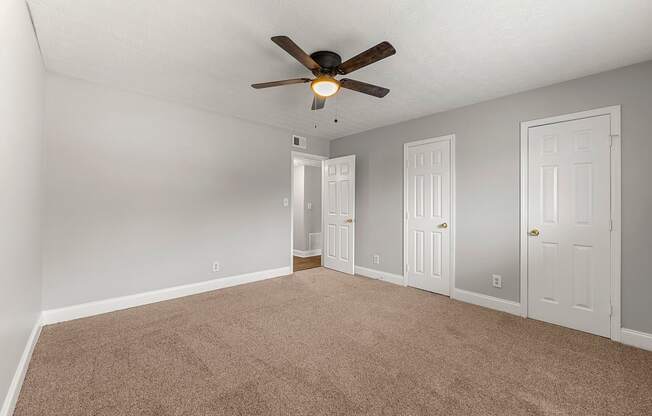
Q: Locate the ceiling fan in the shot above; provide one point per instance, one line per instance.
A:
(325, 65)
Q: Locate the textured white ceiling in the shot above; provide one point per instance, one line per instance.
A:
(206, 53)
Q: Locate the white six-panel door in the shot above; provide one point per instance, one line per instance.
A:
(569, 224)
(339, 213)
(428, 214)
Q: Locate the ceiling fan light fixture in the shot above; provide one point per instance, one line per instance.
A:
(325, 86)
(325, 65)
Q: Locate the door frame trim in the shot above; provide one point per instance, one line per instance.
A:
(451, 139)
(304, 156)
(616, 140)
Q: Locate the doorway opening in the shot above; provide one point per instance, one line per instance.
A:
(306, 209)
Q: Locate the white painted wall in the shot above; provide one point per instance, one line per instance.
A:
(143, 194)
(21, 147)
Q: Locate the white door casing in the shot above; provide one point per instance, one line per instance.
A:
(569, 246)
(317, 161)
(428, 189)
(338, 196)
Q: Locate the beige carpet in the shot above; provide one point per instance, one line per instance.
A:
(323, 343)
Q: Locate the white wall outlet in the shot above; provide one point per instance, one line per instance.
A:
(216, 266)
(286, 202)
(309, 205)
(497, 281)
(376, 259)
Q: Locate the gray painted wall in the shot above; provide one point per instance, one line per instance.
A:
(307, 188)
(143, 194)
(488, 183)
(21, 149)
(312, 193)
(298, 198)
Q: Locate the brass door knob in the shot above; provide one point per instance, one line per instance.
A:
(349, 221)
(534, 232)
(443, 225)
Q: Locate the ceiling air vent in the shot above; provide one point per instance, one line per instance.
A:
(300, 142)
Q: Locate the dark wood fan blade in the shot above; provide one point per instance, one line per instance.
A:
(363, 87)
(279, 83)
(318, 103)
(368, 57)
(293, 49)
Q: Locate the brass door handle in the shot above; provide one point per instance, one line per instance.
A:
(349, 221)
(534, 232)
(443, 225)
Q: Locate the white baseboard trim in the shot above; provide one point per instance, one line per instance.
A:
(487, 301)
(307, 253)
(83, 310)
(19, 376)
(636, 339)
(397, 279)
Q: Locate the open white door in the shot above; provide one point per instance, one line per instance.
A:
(338, 211)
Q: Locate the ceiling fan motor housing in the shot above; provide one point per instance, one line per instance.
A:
(326, 65)
(327, 60)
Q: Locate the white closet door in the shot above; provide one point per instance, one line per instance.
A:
(569, 224)
(339, 213)
(428, 182)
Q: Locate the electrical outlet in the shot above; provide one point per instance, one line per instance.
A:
(497, 281)
(216, 266)
(376, 259)
(286, 202)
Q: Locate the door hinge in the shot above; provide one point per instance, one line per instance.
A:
(611, 140)
(611, 225)
(407, 267)
(407, 215)
(611, 310)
